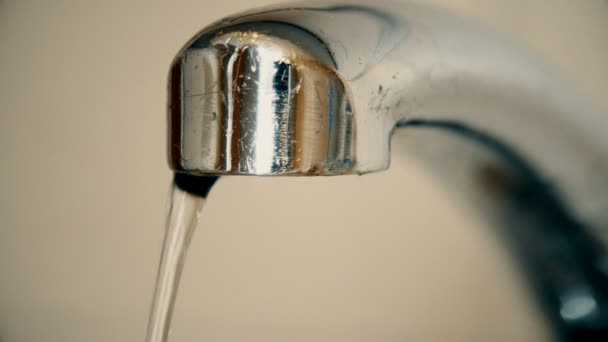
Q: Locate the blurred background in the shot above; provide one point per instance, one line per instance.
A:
(382, 257)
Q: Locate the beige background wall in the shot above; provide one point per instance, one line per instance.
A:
(83, 179)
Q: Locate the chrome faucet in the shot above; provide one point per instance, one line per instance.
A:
(320, 89)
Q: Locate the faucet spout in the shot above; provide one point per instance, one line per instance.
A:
(319, 89)
(260, 99)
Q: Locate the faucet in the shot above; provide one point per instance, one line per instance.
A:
(321, 88)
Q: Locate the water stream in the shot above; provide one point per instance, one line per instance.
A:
(188, 196)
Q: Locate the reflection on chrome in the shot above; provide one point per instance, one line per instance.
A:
(578, 306)
(320, 88)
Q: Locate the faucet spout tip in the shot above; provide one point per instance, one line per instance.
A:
(260, 99)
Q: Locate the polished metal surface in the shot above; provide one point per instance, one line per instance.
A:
(319, 88)
(247, 102)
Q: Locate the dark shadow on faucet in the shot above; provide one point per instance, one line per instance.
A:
(563, 262)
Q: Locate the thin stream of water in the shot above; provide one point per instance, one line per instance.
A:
(184, 214)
